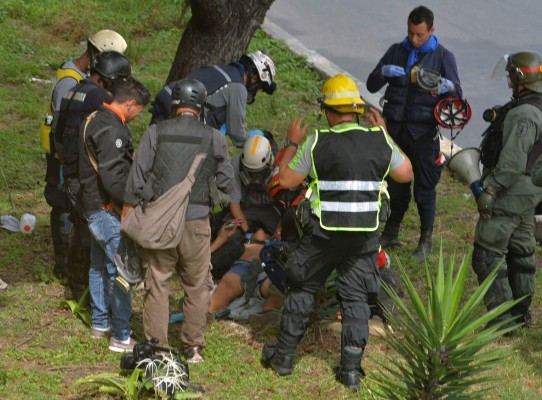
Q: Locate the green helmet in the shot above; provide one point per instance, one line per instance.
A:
(525, 68)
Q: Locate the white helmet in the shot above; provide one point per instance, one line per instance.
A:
(264, 65)
(256, 153)
(106, 40)
(256, 161)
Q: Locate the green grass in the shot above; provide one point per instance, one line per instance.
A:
(44, 349)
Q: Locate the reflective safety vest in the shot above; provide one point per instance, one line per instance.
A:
(349, 163)
(45, 127)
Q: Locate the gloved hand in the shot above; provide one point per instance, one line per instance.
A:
(445, 86)
(392, 71)
(224, 129)
(476, 188)
(485, 202)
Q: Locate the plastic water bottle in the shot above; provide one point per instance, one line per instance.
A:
(27, 223)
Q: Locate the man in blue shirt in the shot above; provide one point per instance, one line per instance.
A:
(408, 111)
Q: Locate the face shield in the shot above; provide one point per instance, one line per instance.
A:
(253, 89)
(255, 179)
(425, 78)
(501, 71)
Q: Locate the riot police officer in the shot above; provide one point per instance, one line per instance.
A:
(508, 200)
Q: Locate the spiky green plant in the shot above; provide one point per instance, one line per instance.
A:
(441, 345)
(128, 387)
(77, 308)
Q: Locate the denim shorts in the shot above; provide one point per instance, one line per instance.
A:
(240, 267)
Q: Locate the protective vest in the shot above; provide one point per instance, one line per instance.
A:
(405, 101)
(45, 128)
(491, 145)
(178, 141)
(71, 116)
(349, 164)
(214, 78)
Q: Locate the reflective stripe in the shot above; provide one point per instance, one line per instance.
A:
(168, 90)
(350, 185)
(341, 95)
(78, 96)
(337, 206)
(224, 74)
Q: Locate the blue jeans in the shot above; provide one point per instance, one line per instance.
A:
(104, 227)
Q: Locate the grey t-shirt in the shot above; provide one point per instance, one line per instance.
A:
(234, 96)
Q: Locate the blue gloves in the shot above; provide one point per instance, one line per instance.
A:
(476, 188)
(224, 129)
(392, 71)
(445, 86)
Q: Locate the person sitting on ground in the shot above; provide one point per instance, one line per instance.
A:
(243, 279)
(250, 201)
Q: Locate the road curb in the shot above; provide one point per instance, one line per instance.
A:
(326, 69)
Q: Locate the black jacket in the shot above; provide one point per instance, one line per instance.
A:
(109, 141)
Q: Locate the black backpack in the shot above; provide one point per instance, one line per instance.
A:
(491, 145)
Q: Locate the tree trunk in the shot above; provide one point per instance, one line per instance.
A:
(218, 32)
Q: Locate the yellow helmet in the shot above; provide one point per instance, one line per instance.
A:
(341, 93)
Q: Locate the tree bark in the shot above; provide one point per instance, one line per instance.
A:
(218, 32)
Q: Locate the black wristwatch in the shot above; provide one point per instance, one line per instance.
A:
(290, 143)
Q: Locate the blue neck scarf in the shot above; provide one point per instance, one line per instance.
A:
(427, 47)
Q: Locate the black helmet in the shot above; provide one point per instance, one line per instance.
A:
(189, 93)
(111, 65)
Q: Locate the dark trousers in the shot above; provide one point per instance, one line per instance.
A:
(422, 153)
(317, 254)
(79, 254)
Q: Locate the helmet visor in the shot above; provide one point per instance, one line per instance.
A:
(500, 72)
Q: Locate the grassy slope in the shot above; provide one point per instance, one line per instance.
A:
(44, 349)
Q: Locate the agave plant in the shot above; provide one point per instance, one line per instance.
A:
(440, 345)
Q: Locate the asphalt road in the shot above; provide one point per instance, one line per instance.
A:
(354, 34)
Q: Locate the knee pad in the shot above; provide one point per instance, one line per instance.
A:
(521, 276)
(484, 261)
(298, 306)
(355, 324)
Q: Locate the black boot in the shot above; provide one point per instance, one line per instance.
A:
(425, 244)
(350, 372)
(390, 236)
(282, 364)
